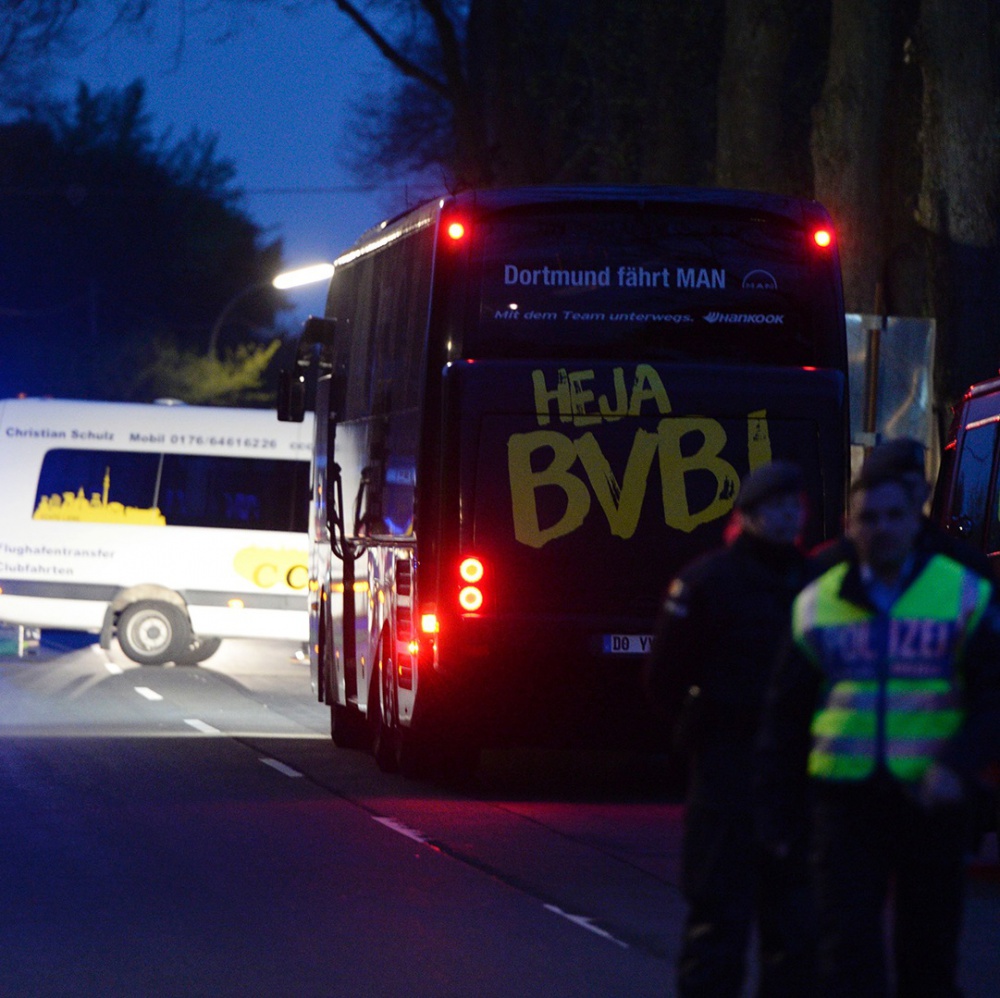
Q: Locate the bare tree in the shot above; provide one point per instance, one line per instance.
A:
(30, 31)
(847, 141)
(430, 54)
(34, 33)
(751, 96)
(959, 196)
(560, 91)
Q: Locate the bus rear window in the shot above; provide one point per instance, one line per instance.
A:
(672, 283)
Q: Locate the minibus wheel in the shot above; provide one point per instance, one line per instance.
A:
(199, 650)
(152, 633)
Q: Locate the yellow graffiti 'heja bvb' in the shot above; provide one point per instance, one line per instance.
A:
(621, 502)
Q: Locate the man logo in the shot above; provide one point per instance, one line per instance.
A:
(761, 280)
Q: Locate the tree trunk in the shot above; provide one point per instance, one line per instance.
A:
(960, 189)
(518, 62)
(751, 96)
(847, 142)
(582, 91)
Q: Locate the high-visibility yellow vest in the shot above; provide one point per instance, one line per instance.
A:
(893, 687)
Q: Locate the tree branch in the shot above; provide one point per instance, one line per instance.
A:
(451, 50)
(406, 66)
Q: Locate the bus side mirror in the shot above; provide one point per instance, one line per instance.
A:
(291, 396)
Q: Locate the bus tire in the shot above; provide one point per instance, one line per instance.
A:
(323, 679)
(199, 650)
(382, 713)
(151, 633)
(413, 755)
(348, 727)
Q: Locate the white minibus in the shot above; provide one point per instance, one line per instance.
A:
(165, 525)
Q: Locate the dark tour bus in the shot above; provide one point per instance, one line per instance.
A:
(532, 407)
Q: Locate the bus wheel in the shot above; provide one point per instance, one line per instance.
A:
(323, 681)
(382, 714)
(348, 727)
(199, 650)
(152, 633)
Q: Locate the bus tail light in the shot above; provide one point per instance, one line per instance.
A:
(423, 646)
(471, 572)
(823, 238)
(470, 598)
(454, 234)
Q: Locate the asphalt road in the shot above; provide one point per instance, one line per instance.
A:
(192, 831)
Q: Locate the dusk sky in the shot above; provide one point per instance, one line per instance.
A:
(277, 93)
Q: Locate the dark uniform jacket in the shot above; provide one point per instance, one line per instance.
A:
(720, 623)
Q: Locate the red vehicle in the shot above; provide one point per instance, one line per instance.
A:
(533, 406)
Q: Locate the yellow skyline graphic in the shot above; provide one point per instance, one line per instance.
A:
(76, 507)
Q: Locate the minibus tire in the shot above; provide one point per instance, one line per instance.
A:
(152, 633)
(199, 650)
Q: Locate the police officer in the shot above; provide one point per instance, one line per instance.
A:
(887, 704)
(712, 653)
(905, 458)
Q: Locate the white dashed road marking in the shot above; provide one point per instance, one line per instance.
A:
(398, 826)
(586, 923)
(205, 729)
(280, 767)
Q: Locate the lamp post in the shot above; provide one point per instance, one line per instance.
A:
(283, 281)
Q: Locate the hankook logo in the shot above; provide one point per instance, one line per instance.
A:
(740, 318)
(761, 280)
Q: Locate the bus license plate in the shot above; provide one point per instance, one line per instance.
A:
(627, 644)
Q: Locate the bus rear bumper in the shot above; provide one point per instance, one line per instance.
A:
(548, 681)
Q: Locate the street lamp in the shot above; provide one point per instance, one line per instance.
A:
(303, 275)
(283, 281)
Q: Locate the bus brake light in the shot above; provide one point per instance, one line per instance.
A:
(470, 598)
(823, 238)
(471, 570)
(456, 231)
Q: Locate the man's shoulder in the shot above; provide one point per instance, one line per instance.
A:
(825, 556)
(704, 573)
(706, 564)
(836, 580)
